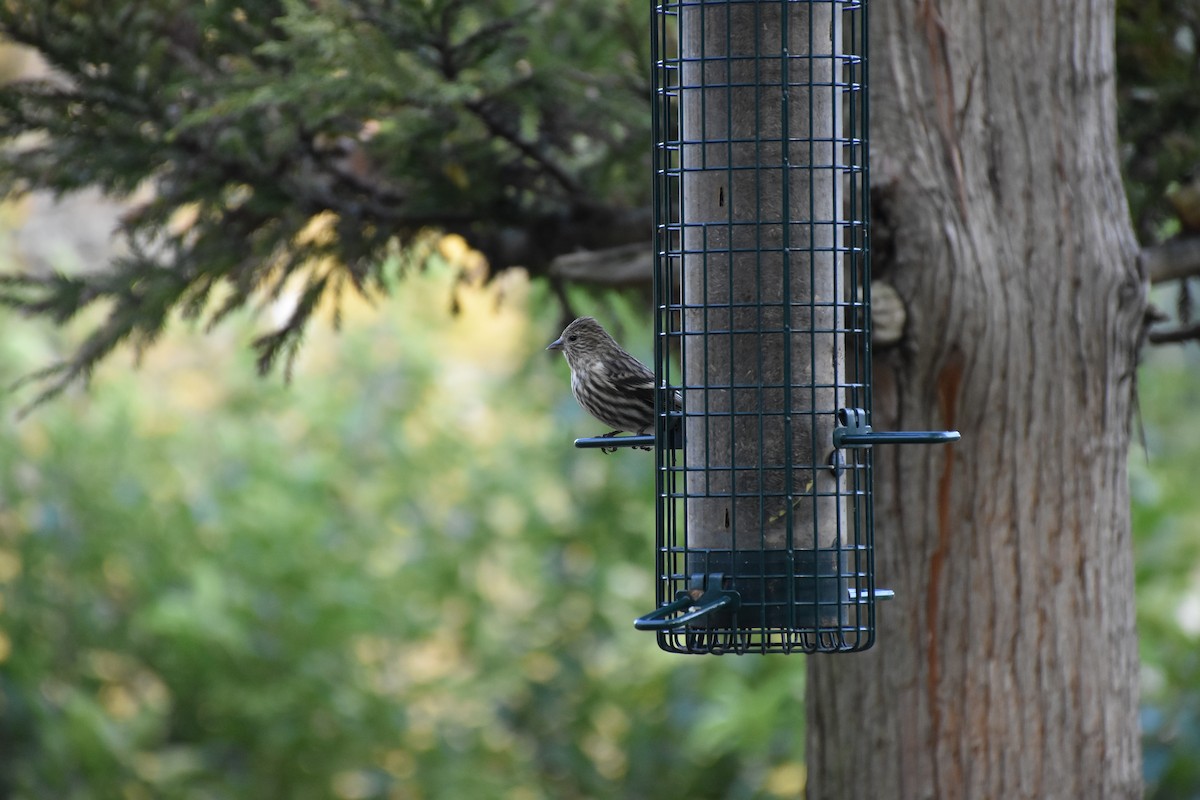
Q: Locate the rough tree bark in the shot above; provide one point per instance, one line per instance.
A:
(1007, 666)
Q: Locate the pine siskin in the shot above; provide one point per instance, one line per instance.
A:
(611, 385)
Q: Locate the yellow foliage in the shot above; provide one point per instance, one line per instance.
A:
(183, 218)
(321, 229)
(786, 780)
(10, 565)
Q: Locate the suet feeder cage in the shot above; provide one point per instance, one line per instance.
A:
(763, 329)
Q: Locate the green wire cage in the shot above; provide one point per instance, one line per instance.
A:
(763, 329)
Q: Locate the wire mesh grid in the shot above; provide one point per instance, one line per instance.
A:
(762, 324)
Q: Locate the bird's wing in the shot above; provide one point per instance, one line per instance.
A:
(637, 381)
(637, 385)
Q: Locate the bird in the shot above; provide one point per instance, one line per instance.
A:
(609, 383)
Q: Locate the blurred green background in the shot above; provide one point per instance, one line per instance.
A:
(395, 578)
(1166, 528)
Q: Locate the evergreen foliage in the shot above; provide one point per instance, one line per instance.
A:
(291, 144)
(1159, 114)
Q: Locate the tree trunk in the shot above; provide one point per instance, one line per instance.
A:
(1007, 665)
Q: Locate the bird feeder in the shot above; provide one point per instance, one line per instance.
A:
(763, 329)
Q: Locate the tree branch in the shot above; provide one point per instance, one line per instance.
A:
(1184, 333)
(1172, 260)
(498, 128)
(623, 265)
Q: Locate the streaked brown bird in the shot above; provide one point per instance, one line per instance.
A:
(611, 385)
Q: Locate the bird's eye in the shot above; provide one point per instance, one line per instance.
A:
(572, 338)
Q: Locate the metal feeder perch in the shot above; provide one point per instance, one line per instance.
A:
(762, 293)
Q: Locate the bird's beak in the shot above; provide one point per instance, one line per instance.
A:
(557, 344)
